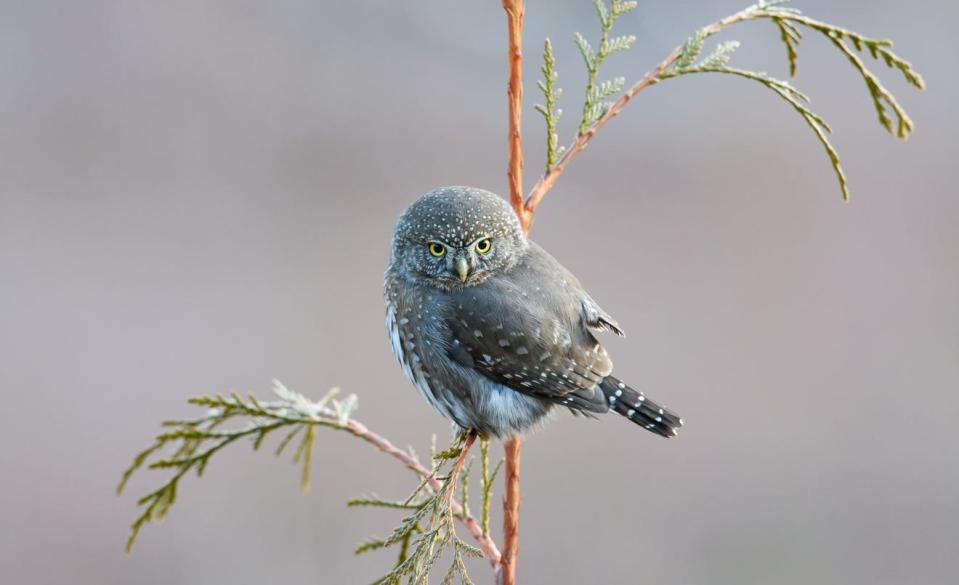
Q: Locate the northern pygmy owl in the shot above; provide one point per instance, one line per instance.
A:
(492, 330)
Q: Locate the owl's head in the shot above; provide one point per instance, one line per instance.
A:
(457, 236)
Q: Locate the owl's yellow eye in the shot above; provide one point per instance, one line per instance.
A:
(483, 246)
(437, 250)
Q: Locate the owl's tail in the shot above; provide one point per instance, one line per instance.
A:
(636, 407)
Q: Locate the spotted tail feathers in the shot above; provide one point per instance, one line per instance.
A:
(636, 407)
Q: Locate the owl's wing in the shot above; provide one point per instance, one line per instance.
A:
(531, 330)
(596, 318)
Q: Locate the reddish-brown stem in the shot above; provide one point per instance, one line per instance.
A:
(515, 11)
(484, 541)
(511, 501)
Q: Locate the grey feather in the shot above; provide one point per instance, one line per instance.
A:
(493, 348)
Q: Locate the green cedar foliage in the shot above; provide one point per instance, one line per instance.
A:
(790, 23)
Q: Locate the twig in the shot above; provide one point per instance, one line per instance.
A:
(485, 542)
(547, 181)
(511, 501)
(514, 173)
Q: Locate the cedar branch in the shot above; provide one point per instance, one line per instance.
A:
(547, 181)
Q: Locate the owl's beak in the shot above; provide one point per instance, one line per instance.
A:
(462, 268)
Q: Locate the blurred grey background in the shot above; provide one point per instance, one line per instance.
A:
(198, 196)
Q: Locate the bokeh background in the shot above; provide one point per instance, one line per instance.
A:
(198, 196)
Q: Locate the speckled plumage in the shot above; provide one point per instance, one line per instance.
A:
(494, 347)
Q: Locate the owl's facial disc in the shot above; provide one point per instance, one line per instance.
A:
(457, 237)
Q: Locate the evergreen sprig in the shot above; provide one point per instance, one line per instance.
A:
(192, 443)
(487, 481)
(549, 111)
(789, 21)
(595, 104)
(429, 530)
(790, 35)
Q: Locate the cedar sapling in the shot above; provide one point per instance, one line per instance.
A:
(427, 536)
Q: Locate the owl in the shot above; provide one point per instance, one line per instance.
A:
(491, 329)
